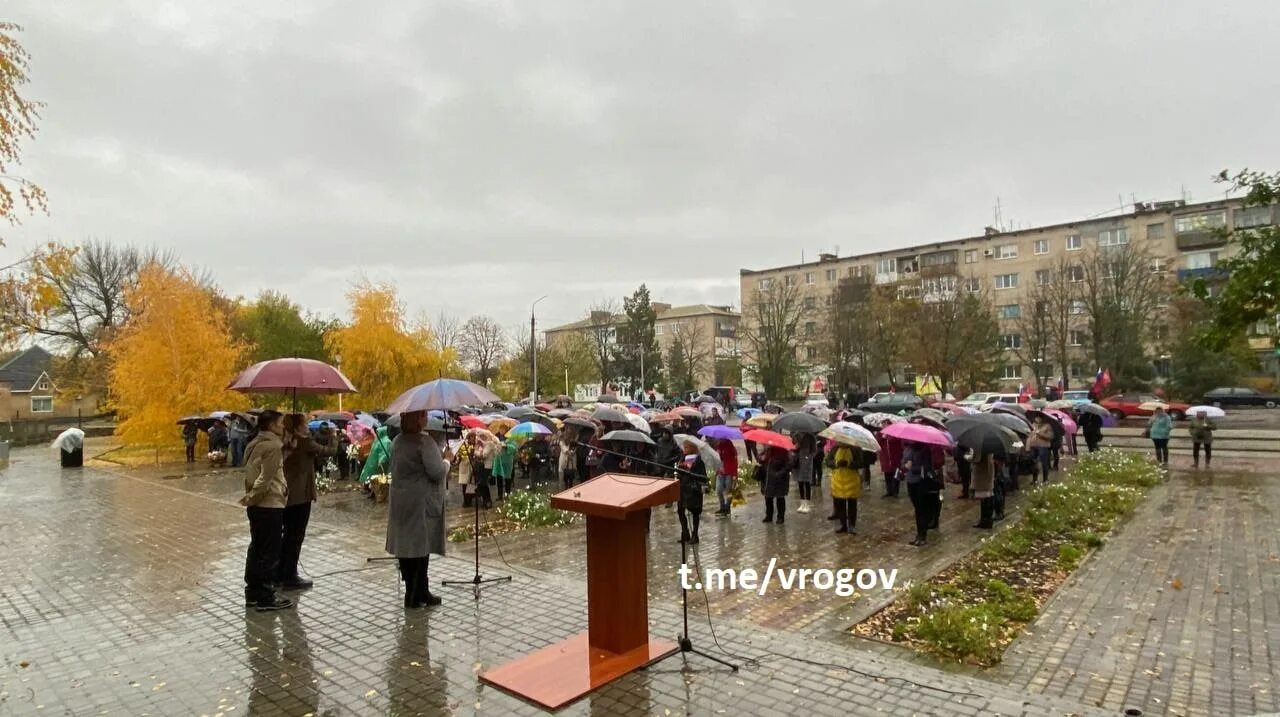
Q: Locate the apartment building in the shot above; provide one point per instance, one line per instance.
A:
(714, 329)
(1183, 239)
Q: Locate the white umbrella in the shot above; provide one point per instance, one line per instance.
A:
(1209, 411)
(851, 434)
(708, 454)
(640, 424)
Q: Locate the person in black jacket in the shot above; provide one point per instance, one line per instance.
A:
(693, 478)
(1091, 427)
(582, 451)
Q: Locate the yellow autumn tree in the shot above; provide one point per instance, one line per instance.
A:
(381, 353)
(174, 358)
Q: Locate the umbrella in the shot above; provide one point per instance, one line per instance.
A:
(760, 420)
(949, 408)
(727, 433)
(1152, 405)
(317, 425)
(442, 393)
(918, 433)
(607, 398)
(926, 421)
(529, 429)
(769, 438)
(932, 414)
(851, 434)
(1209, 411)
(563, 401)
(1064, 404)
(368, 420)
(502, 424)
(1038, 403)
(794, 423)
(560, 413)
(627, 436)
(774, 408)
(1058, 428)
(635, 404)
(982, 436)
(1094, 408)
(664, 418)
(1068, 423)
(520, 412)
(822, 414)
(544, 407)
(1008, 420)
(541, 418)
(484, 435)
(606, 414)
(358, 432)
(219, 414)
(704, 399)
(639, 423)
(848, 413)
(635, 410)
(684, 411)
(880, 420)
(745, 413)
(292, 376)
(1013, 409)
(336, 416)
(709, 457)
(472, 422)
(191, 419)
(581, 422)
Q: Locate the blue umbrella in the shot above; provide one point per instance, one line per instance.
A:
(745, 413)
(441, 394)
(721, 432)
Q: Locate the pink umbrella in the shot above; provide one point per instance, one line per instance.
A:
(919, 433)
(1068, 423)
(292, 376)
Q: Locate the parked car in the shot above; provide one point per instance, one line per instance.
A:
(730, 396)
(1241, 396)
(1077, 396)
(1125, 405)
(817, 400)
(892, 403)
(974, 400)
(994, 398)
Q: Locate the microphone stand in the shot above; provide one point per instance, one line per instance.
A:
(685, 642)
(477, 581)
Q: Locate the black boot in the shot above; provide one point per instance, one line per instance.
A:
(423, 596)
(987, 510)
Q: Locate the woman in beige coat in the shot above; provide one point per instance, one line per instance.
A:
(265, 497)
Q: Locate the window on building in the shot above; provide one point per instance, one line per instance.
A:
(1007, 251)
(1008, 311)
(658, 329)
(1077, 337)
(1078, 370)
(973, 285)
(808, 277)
(1044, 276)
(1075, 273)
(789, 280)
(765, 284)
(1161, 365)
(43, 385)
(1011, 372)
(1006, 281)
(940, 286)
(941, 258)
(1251, 217)
(1042, 246)
(41, 404)
(1202, 259)
(831, 274)
(909, 291)
(1074, 243)
(810, 328)
(1159, 265)
(811, 353)
(1110, 270)
(1113, 237)
(971, 256)
(1011, 341)
(808, 302)
(1161, 332)
(887, 266)
(1078, 307)
(826, 300)
(1155, 231)
(1203, 222)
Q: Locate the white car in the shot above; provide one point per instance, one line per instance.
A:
(816, 400)
(994, 398)
(974, 400)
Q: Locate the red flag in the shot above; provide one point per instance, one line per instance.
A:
(1106, 378)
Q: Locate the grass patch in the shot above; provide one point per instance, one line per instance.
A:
(972, 610)
(522, 509)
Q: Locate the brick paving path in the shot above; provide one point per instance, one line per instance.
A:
(1122, 633)
(122, 595)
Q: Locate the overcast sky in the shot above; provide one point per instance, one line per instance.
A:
(482, 154)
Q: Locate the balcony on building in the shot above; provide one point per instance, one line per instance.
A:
(1207, 273)
(1202, 230)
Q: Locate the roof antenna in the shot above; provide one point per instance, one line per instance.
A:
(999, 215)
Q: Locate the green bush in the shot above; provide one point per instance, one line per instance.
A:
(963, 632)
(1069, 557)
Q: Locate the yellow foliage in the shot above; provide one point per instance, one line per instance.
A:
(174, 358)
(380, 353)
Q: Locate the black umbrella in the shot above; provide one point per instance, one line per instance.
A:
(799, 423)
(190, 419)
(605, 413)
(982, 436)
(1094, 408)
(1053, 422)
(1008, 420)
(519, 412)
(580, 422)
(607, 398)
(928, 421)
(774, 408)
(560, 413)
(704, 399)
(627, 437)
(1016, 409)
(541, 419)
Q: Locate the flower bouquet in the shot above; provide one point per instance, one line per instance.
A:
(380, 484)
(217, 459)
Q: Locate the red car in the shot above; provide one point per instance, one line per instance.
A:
(1125, 405)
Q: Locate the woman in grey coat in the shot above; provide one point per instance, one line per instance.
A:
(415, 511)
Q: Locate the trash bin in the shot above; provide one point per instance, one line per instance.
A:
(73, 458)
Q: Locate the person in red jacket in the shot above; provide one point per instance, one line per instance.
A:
(727, 474)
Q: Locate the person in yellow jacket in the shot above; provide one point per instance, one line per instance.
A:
(846, 486)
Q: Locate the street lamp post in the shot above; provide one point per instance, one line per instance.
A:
(533, 350)
(337, 360)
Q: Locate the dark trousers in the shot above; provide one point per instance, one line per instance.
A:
(988, 510)
(997, 500)
(965, 469)
(266, 527)
(413, 571)
(925, 502)
(846, 511)
(237, 452)
(806, 490)
(293, 533)
(1041, 454)
(689, 522)
(1075, 450)
(1195, 452)
(1092, 440)
(892, 484)
(1055, 452)
(1162, 450)
(769, 503)
(191, 453)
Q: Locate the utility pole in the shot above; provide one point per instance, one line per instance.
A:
(533, 351)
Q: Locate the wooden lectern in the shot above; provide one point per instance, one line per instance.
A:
(617, 638)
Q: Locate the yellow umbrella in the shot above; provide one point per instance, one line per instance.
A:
(760, 420)
(502, 425)
(1153, 405)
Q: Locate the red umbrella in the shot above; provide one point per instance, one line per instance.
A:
(292, 376)
(544, 407)
(769, 438)
(472, 422)
(634, 410)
